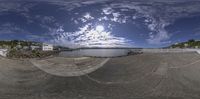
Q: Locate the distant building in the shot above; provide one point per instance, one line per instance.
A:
(176, 43)
(25, 48)
(186, 45)
(3, 52)
(35, 47)
(47, 47)
(18, 47)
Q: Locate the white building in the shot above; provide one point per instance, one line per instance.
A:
(186, 45)
(47, 47)
(3, 52)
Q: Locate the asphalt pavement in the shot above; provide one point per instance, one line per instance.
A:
(142, 76)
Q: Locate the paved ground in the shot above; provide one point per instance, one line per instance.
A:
(144, 76)
(68, 67)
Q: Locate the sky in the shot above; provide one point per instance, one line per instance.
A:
(101, 23)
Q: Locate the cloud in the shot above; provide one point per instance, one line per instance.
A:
(93, 1)
(88, 16)
(158, 14)
(107, 11)
(88, 37)
(15, 6)
(10, 28)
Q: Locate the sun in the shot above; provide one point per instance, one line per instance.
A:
(99, 28)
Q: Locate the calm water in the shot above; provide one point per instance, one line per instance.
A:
(95, 52)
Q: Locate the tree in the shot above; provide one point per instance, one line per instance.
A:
(191, 40)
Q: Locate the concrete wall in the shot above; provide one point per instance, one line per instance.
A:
(163, 50)
(198, 51)
(167, 50)
(194, 50)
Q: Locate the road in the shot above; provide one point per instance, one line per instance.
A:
(142, 76)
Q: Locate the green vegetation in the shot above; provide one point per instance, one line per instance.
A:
(14, 44)
(25, 49)
(30, 54)
(189, 44)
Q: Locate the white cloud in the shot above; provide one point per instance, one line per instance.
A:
(160, 35)
(88, 16)
(159, 15)
(15, 6)
(107, 11)
(93, 1)
(89, 37)
(10, 28)
(159, 38)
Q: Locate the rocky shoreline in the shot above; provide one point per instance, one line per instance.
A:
(13, 54)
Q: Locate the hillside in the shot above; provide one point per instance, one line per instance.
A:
(188, 44)
(26, 49)
(14, 44)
